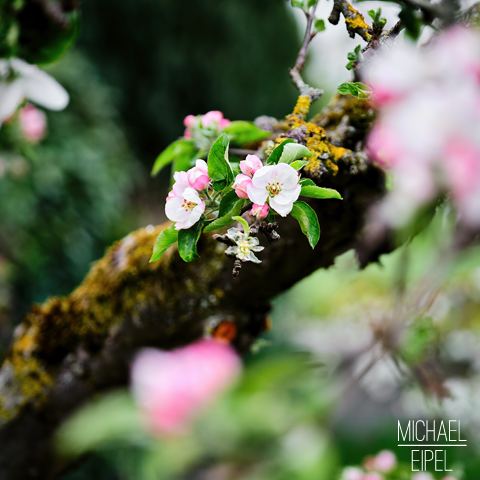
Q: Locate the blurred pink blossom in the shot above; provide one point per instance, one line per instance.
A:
(385, 461)
(172, 387)
(188, 121)
(422, 476)
(429, 120)
(33, 123)
(372, 476)
(215, 116)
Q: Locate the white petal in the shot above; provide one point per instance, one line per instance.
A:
(41, 88)
(197, 213)
(174, 210)
(282, 210)
(257, 195)
(202, 164)
(287, 175)
(287, 196)
(191, 195)
(11, 95)
(263, 176)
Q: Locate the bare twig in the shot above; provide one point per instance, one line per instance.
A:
(295, 72)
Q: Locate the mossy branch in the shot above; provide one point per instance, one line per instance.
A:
(71, 348)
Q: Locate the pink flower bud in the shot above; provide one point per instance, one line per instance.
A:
(242, 182)
(188, 120)
(250, 165)
(187, 133)
(224, 123)
(33, 123)
(171, 388)
(198, 176)
(260, 211)
(213, 116)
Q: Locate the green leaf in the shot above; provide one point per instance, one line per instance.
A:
(187, 241)
(219, 168)
(298, 164)
(113, 417)
(307, 218)
(418, 340)
(229, 199)
(164, 240)
(293, 151)
(246, 227)
(181, 149)
(245, 132)
(277, 152)
(371, 13)
(362, 86)
(351, 56)
(311, 3)
(305, 182)
(319, 25)
(349, 66)
(297, 3)
(347, 88)
(410, 18)
(313, 191)
(225, 220)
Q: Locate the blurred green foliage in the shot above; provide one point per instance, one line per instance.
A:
(64, 200)
(169, 59)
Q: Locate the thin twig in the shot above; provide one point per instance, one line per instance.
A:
(296, 71)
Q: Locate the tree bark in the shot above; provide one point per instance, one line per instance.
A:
(71, 348)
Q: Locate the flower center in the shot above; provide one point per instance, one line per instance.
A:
(243, 249)
(188, 205)
(274, 188)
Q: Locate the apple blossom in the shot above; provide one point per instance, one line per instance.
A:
(372, 476)
(352, 473)
(33, 123)
(245, 246)
(241, 185)
(259, 211)
(428, 129)
(20, 80)
(422, 476)
(385, 460)
(198, 175)
(277, 183)
(215, 116)
(184, 208)
(188, 120)
(250, 165)
(172, 387)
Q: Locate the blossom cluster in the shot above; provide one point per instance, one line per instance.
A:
(214, 193)
(212, 120)
(384, 466)
(427, 134)
(270, 186)
(172, 388)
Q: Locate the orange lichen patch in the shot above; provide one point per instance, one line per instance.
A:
(225, 331)
(357, 23)
(302, 107)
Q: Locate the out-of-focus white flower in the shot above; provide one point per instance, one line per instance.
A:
(385, 460)
(429, 122)
(422, 476)
(352, 473)
(19, 80)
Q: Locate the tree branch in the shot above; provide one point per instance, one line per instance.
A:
(354, 20)
(71, 348)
